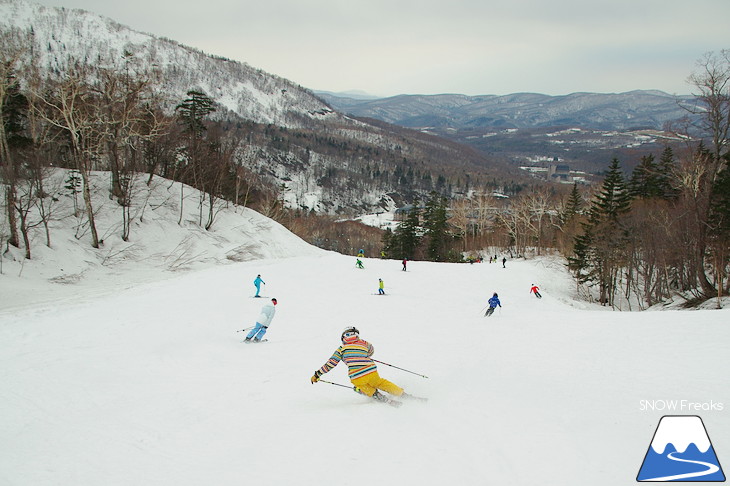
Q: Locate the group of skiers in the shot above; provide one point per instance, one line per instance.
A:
(494, 260)
(356, 353)
(494, 302)
(359, 264)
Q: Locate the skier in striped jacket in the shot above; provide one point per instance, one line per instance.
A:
(361, 369)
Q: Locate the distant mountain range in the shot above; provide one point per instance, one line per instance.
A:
(583, 129)
(623, 111)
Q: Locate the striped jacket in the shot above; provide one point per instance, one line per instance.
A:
(356, 356)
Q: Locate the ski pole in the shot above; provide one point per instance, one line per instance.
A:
(247, 329)
(333, 383)
(403, 369)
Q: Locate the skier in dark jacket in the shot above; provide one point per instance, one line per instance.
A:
(493, 303)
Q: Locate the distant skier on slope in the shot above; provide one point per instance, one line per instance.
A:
(381, 286)
(262, 323)
(535, 290)
(359, 264)
(258, 283)
(405, 261)
(493, 303)
(361, 369)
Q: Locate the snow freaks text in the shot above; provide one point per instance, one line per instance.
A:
(683, 406)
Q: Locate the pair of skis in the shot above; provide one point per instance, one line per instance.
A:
(397, 403)
(378, 397)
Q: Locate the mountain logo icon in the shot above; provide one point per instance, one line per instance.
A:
(680, 451)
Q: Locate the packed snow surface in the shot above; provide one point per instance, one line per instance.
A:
(124, 379)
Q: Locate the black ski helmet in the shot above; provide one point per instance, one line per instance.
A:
(349, 329)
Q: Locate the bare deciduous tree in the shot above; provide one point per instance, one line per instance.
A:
(68, 105)
(700, 172)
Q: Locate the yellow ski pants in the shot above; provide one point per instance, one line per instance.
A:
(371, 382)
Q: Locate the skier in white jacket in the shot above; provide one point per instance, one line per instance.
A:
(262, 323)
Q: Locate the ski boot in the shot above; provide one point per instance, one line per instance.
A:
(382, 398)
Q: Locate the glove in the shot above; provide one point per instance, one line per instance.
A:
(316, 376)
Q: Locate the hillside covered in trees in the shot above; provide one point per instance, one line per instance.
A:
(631, 242)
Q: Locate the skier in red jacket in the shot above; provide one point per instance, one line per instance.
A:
(535, 290)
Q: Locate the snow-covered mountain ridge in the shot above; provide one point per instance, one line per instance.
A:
(324, 160)
(522, 126)
(248, 92)
(599, 111)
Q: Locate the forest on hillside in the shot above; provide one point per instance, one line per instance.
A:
(664, 229)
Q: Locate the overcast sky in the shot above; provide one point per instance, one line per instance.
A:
(389, 47)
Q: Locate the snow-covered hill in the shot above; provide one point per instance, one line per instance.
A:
(127, 372)
(322, 159)
(158, 247)
(248, 92)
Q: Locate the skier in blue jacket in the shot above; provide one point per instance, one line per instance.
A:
(258, 283)
(493, 303)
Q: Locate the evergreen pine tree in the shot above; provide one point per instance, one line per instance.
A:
(599, 253)
(13, 138)
(410, 234)
(386, 240)
(193, 111)
(614, 199)
(580, 262)
(436, 226)
(666, 179)
(573, 206)
(645, 180)
(719, 226)
(406, 238)
(720, 203)
(15, 117)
